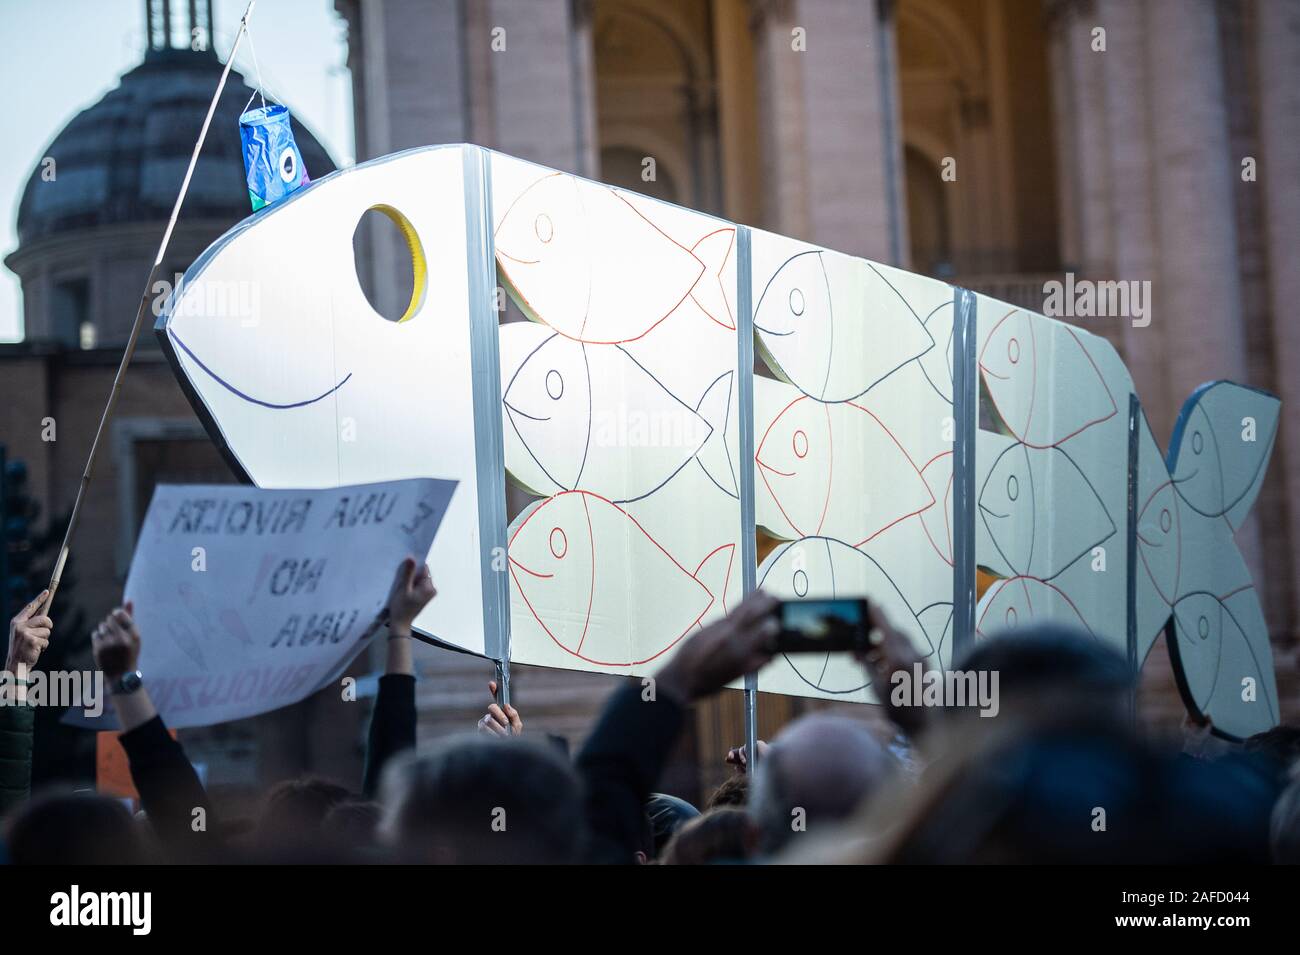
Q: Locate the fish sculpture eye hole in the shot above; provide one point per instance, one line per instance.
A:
(1012, 616)
(1203, 627)
(1013, 350)
(381, 217)
(796, 301)
(1198, 442)
(1013, 487)
(800, 444)
(559, 543)
(555, 384)
(800, 583)
(1166, 521)
(544, 228)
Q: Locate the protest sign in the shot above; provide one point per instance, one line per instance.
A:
(248, 600)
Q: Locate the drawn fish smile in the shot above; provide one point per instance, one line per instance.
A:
(279, 406)
(528, 570)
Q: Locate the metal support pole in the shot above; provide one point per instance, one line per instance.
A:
(745, 375)
(490, 458)
(1130, 561)
(965, 409)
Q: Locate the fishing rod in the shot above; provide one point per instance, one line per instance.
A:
(113, 395)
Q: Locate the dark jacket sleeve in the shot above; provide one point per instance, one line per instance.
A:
(17, 725)
(392, 726)
(169, 787)
(620, 764)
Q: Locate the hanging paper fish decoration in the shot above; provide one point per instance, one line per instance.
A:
(272, 162)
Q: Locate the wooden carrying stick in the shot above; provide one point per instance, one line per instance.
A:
(139, 319)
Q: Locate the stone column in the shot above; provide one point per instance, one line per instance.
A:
(1134, 252)
(782, 140)
(414, 71)
(542, 87)
(1088, 69)
(1060, 13)
(1278, 52)
(737, 113)
(1199, 289)
(1087, 72)
(847, 101)
(831, 149)
(410, 92)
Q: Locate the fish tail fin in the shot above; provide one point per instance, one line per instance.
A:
(714, 575)
(714, 456)
(714, 251)
(1221, 446)
(1217, 458)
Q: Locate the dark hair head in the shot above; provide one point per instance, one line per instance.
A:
(353, 824)
(1050, 660)
(1280, 744)
(79, 828)
(478, 800)
(667, 814)
(734, 791)
(1084, 794)
(295, 809)
(720, 835)
(1284, 828)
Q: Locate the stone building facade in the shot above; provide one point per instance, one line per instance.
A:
(994, 143)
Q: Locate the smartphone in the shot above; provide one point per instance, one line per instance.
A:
(809, 626)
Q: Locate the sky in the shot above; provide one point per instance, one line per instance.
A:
(58, 57)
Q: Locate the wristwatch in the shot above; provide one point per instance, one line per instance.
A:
(127, 683)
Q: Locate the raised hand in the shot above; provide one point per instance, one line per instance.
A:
(889, 652)
(116, 643)
(739, 643)
(29, 634)
(738, 758)
(499, 721)
(412, 590)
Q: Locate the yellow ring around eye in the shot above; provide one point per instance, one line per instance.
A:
(419, 266)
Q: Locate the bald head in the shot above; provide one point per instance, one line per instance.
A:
(821, 764)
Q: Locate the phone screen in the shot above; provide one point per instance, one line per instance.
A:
(825, 625)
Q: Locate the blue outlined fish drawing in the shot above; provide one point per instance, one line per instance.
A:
(591, 417)
(815, 296)
(1009, 501)
(824, 567)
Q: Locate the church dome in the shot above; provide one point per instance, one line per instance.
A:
(122, 160)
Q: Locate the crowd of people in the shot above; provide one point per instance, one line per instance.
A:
(1059, 775)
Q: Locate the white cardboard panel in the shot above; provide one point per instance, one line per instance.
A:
(853, 447)
(307, 386)
(1052, 510)
(620, 407)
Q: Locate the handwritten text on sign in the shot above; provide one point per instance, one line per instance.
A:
(248, 599)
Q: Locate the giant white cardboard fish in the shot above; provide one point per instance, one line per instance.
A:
(619, 405)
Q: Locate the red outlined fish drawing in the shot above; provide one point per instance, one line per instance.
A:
(579, 563)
